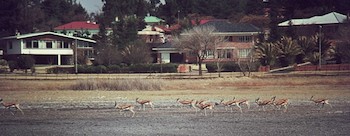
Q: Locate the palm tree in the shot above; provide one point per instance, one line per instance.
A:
(287, 50)
(308, 48)
(266, 53)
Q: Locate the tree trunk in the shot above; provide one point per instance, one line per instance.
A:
(200, 67)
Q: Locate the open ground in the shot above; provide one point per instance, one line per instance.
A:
(51, 108)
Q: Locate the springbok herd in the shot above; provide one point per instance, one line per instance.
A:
(198, 105)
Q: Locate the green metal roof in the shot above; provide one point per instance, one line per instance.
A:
(153, 19)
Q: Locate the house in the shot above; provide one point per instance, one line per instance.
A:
(46, 47)
(240, 39)
(79, 28)
(153, 20)
(328, 24)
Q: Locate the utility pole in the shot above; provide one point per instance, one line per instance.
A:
(320, 48)
(76, 55)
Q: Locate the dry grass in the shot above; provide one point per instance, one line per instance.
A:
(119, 85)
(295, 88)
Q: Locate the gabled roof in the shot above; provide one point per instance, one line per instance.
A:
(23, 36)
(330, 18)
(223, 26)
(78, 25)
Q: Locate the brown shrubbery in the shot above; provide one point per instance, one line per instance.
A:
(119, 84)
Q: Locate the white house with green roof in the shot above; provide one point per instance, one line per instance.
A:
(152, 20)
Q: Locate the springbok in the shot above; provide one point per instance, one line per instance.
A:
(10, 105)
(185, 102)
(144, 102)
(322, 101)
(125, 107)
(265, 102)
(204, 106)
(281, 103)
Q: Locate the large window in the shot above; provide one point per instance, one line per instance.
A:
(209, 54)
(224, 53)
(245, 38)
(244, 53)
(32, 44)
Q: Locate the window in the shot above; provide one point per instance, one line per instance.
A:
(35, 44)
(32, 44)
(229, 38)
(48, 44)
(245, 39)
(224, 53)
(28, 44)
(244, 53)
(65, 45)
(59, 44)
(209, 54)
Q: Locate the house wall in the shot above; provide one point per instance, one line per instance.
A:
(13, 47)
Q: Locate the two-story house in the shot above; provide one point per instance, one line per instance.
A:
(240, 39)
(46, 47)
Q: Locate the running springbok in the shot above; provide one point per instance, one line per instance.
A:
(265, 102)
(185, 102)
(144, 102)
(230, 103)
(322, 101)
(279, 103)
(10, 105)
(204, 106)
(125, 107)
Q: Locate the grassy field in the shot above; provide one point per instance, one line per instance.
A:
(298, 89)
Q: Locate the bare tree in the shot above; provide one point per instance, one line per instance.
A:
(246, 65)
(199, 41)
(136, 53)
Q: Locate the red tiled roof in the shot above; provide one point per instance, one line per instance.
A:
(78, 25)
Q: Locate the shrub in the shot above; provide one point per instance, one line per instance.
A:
(211, 67)
(121, 84)
(60, 70)
(25, 62)
(12, 65)
(3, 62)
(114, 69)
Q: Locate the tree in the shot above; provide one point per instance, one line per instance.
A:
(287, 50)
(136, 53)
(200, 40)
(342, 51)
(266, 53)
(246, 66)
(308, 48)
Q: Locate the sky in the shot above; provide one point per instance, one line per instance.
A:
(91, 6)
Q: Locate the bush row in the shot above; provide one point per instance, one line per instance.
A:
(230, 67)
(137, 68)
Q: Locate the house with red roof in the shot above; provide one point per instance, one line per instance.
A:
(79, 28)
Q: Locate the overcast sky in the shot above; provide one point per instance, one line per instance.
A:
(93, 6)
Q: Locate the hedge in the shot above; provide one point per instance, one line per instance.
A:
(136, 68)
